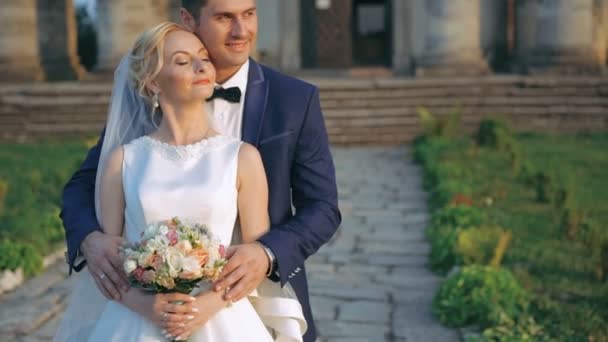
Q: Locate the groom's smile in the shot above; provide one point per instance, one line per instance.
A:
(238, 46)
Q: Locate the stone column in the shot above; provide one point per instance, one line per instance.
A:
(291, 34)
(402, 45)
(120, 22)
(453, 39)
(58, 40)
(174, 7)
(19, 51)
(559, 36)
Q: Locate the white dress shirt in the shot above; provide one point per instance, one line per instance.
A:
(227, 117)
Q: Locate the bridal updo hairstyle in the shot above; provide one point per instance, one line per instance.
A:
(146, 57)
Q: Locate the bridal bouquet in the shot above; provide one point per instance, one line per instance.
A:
(174, 257)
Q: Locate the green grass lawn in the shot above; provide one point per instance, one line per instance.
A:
(32, 176)
(569, 300)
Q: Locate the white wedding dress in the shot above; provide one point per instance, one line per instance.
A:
(196, 183)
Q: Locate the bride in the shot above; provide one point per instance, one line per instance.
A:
(162, 157)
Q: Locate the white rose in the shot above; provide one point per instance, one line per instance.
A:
(174, 259)
(185, 246)
(158, 243)
(130, 266)
(151, 232)
(190, 268)
(145, 259)
(163, 229)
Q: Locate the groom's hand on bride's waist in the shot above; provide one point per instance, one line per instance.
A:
(247, 267)
(102, 253)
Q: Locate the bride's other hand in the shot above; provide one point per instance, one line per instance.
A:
(102, 253)
(205, 306)
(168, 311)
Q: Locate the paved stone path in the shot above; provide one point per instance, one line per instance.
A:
(370, 283)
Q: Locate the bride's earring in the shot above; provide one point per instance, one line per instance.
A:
(155, 100)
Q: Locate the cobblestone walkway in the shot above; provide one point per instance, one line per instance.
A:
(370, 283)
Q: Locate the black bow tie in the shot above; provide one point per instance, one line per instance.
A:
(232, 94)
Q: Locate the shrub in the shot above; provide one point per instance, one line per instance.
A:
(459, 216)
(478, 245)
(444, 231)
(14, 255)
(445, 126)
(35, 180)
(3, 192)
(445, 191)
(480, 295)
(596, 239)
(544, 186)
(442, 240)
(527, 173)
(494, 133)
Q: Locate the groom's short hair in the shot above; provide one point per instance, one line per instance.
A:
(194, 7)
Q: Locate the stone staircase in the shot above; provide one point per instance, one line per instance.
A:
(357, 110)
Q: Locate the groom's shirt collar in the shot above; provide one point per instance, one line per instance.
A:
(238, 80)
(228, 116)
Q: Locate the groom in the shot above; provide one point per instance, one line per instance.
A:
(279, 115)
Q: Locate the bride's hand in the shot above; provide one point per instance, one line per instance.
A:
(206, 305)
(162, 309)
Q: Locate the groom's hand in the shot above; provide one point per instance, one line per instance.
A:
(246, 268)
(102, 253)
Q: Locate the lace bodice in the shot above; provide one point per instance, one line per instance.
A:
(196, 182)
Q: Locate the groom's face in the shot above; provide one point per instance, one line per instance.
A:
(229, 30)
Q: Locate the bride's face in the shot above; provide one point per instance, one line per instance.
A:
(187, 73)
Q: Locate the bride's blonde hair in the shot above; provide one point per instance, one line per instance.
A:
(146, 57)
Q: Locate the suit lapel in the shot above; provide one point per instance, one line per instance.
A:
(256, 98)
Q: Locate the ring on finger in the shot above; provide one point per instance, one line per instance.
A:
(165, 316)
(102, 276)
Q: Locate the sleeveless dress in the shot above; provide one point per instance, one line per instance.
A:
(196, 183)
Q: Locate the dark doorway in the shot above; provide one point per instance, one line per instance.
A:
(372, 28)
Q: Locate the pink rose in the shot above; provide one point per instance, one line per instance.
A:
(222, 251)
(148, 276)
(172, 236)
(139, 274)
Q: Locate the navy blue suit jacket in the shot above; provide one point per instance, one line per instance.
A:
(282, 118)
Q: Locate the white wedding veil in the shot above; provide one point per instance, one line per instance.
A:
(130, 116)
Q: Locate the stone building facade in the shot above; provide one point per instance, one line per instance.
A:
(445, 37)
(403, 37)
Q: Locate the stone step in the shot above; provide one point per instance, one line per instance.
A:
(58, 130)
(465, 111)
(61, 118)
(434, 82)
(343, 97)
(585, 101)
(60, 100)
(458, 92)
